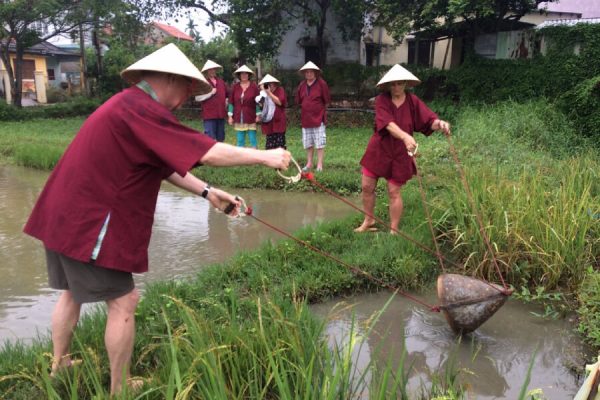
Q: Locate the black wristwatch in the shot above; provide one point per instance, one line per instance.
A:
(205, 191)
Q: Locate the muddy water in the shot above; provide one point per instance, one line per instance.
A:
(187, 234)
(495, 358)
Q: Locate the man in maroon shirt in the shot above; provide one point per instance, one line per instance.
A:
(95, 214)
(313, 97)
(214, 103)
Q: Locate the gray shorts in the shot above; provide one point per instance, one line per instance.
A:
(314, 137)
(88, 283)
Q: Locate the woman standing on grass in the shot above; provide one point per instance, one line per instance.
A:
(273, 121)
(214, 103)
(389, 153)
(243, 112)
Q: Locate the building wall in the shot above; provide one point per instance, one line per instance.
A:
(291, 54)
(40, 66)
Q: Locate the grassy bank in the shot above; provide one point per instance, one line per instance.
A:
(236, 328)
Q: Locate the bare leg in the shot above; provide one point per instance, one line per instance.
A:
(368, 199)
(396, 206)
(119, 337)
(309, 157)
(64, 319)
(320, 155)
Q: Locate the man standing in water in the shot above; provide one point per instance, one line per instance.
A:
(96, 211)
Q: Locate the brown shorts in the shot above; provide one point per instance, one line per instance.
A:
(88, 283)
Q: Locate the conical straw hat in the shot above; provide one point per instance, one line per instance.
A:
(170, 60)
(209, 64)
(399, 73)
(268, 79)
(309, 65)
(243, 68)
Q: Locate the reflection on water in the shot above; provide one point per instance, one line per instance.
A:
(494, 358)
(187, 235)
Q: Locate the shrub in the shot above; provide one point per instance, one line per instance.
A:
(77, 106)
(56, 95)
(581, 105)
(589, 311)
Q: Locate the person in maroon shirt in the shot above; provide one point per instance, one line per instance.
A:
(242, 109)
(95, 213)
(214, 103)
(313, 97)
(389, 153)
(273, 120)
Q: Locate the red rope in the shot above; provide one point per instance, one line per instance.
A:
(355, 270)
(310, 177)
(429, 220)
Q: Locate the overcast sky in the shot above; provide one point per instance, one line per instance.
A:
(201, 19)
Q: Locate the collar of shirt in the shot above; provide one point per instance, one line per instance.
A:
(145, 86)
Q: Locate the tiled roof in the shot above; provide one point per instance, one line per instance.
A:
(568, 22)
(172, 31)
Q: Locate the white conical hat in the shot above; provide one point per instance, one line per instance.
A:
(268, 79)
(170, 60)
(399, 73)
(244, 68)
(209, 64)
(309, 65)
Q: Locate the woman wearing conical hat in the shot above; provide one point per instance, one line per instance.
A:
(242, 109)
(95, 213)
(273, 120)
(313, 97)
(214, 103)
(390, 151)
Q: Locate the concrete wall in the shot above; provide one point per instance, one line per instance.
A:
(291, 54)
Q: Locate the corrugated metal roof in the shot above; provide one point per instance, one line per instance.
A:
(567, 22)
(43, 48)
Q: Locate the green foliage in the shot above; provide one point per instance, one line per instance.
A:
(582, 104)
(221, 50)
(553, 303)
(589, 310)
(400, 17)
(74, 107)
(117, 58)
(56, 95)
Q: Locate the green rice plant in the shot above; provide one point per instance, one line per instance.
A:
(589, 308)
(37, 155)
(538, 224)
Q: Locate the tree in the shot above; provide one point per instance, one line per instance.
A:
(258, 26)
(17, 21)
(455, 18)
(24, 23)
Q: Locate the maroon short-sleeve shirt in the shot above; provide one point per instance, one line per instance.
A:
(215, 107)
(278, 124)
(313, 101)
(387, 156)
(244, 103)
(115, 166)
